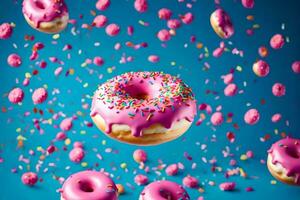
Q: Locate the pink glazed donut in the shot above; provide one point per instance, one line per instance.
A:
(221, 23)
(49, 16)
(284, 160)
(143, 108)
(162, 190)
(89, 185)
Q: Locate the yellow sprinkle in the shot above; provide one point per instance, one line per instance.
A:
(84, 164)
(83, 132)
(18, 130)
(123, 165)
(239, 68)
(50, 121)
(121, 189)
(273, 182)
(27, 75)
(250, 17)
(79, 113)
(256, 26)
(67, 141)
(85, 85)
(39, 148)
(20, 137)
(199, 45)
(172, 32)
(173, 63)
(243, 157)
(276, 131)
(109, 70)
(84, 64)
(71, 71)
(55, 36)
(103, 142)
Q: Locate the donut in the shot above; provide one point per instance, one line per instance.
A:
(90, 185)
(284, 160)
(143, 108)
(221, 23)
(162, 190)
(49, 16)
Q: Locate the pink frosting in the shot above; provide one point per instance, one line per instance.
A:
(39, 95)
(14, 60)
(278, 89)
(252, 116)
(277, 41)
(16, 95)
(162, 190)
(224, 22)
(141, 99)
(164, 13)
(44, 10)
(29, 178)
(90, 185)
(164, 35)
(76, 154)
(139, 155)
(6, 31)
(141, 5)
(112, 29)
(287, 153)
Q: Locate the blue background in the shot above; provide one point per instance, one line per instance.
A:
(268, 14)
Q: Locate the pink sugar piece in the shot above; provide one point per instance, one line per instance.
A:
(14, 60)
(190, 181)
(164, 14)
(16, 95)
(76, 154)
(100, 21)
(29, 178)
(66, 124)
(172, 170)
(187, 156)
(141, 5)
(141, 179)
(34, 55)
(227, 186)
(6, 30)
(102, 4)
(249, 189)
(39, 95)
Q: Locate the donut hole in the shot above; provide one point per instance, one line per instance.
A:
(137, 92)
(293, 152)
(165, 194)
(40, 5)
(85, 186)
